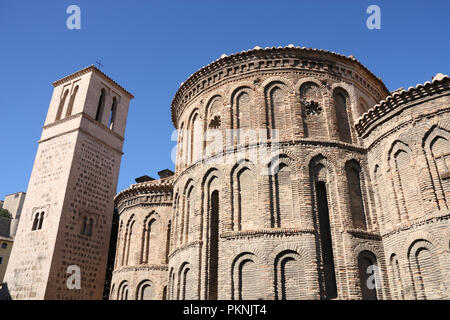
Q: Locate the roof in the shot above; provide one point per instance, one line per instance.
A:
(399, 97)
(91, 68)
(260, 52)
(161, 185)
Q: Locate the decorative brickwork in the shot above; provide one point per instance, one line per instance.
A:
(67, 215)
(336, 211)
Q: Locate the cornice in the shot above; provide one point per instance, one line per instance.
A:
(163, 185)
(289, 57)
(304, 142)
(394, 102)
(84, 116)
(144, 267)
(86, 70)
(411, 225)
(266, 233)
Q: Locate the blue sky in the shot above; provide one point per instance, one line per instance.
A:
(150, 47)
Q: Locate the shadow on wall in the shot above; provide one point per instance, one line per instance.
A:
(4, 292)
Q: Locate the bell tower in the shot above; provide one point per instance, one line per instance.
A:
(61, 246)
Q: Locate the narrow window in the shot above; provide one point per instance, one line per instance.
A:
(90, 227)
(101, 103)
(340, 105)
(112, 114)
(164, 294)
(128, 243)
(169, 229)
(41, 221)
(35, 221)
(367, 266)
(62, 102)
(148, 240)
(83, 226)
(326, 242)
(355, 198)
(214, 245)
(71, 101)
(274, 111)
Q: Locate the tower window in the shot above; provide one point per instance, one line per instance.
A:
(71, 101)
(112, 114)
(326, 241)
(87, 226)
(38, 221)
(101, 103)
(62, 102)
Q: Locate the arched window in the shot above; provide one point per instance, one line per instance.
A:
(340, 98)
(71, 101)
(150, 239)
(169, 231)
(35, 221)
(188, 212)
(180, 147)
(247, 283)
(38, 221)
(210, 209)
(327, 276)
(177, 218)
(62, 102)
(380, 196)
(241, 110)
(123, 291)
(90, 227)
(145, 291)
(127, 241)
(112, 114)
(275, 111)
(355, 198)
(164, 293)
(281, 192)
(314, 122)
(397, 278)
(214, 245)
(172, 295)
(100, 106)
(84, 226)
(368, 275)
(288, 276)
(196, 138)
(112, 293)
(184, 289)
(408, 188)
(425, 272)
(245, 200)
(87, 226)
(119, 244)
(440, 148)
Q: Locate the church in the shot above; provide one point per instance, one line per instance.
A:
(298, 175)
